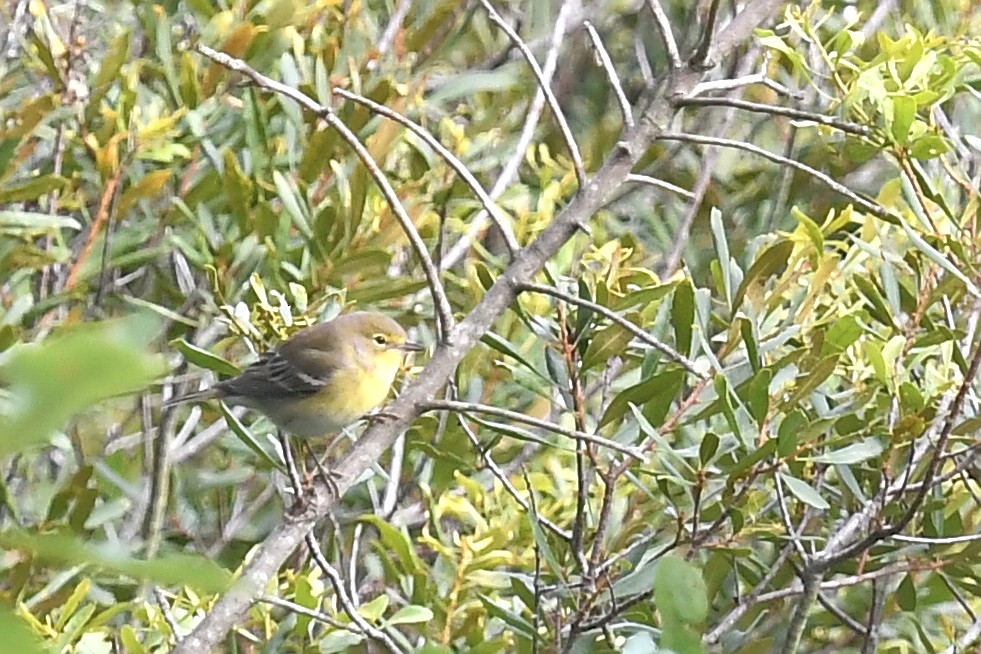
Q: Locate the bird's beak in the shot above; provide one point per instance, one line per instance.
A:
(409, 346)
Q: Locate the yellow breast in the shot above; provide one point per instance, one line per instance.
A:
(350, 394)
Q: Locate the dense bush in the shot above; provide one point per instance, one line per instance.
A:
(703, 324)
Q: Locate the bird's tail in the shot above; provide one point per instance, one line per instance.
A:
(196, 396)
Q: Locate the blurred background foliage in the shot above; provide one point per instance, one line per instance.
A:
(161, 220)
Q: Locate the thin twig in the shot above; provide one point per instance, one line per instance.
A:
(553, 103)
(740, 82)
(501, 220)
(506, 483)
(468, 407)
(310, 613)
(459, 249)
(773, 110)
(667, 36)
(168, 614)
(658, 183)
(666, 350)
(611, 74)
(347, 605)
(872, 207)
(702, 59)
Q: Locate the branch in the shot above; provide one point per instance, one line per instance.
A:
(474, 407)
(611, 74)
(500, 219)
(527, 505)
(664, 29)
(790, 112)
(510, 169)
(666, 350)
(740, 28)
(872, 207)
(658, 183)
(702, 58)
(570, 140)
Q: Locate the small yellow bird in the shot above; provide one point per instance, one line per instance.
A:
(322, 378)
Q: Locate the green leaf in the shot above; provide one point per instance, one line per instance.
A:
(683, 315)
(608, 342)
(722, 253)
(748, 333)
(906, 593)
(843, 332)
(17, 635)
(939, 258)
(707, 448)
(787, 435)
(903, 115)
(33, 189)
(758, 400)
(248, 439)
(725, 403)
(339, 641)
(878, 310)
(767, 263)
(654, 394)
(681, 599)
(411, 614)
(396, 542)
(495, 342)
(812, 379)
(204, 359)
(679, 590)
(851, 454)
(64, 549)
(51, 381)
(513, 620)
(929, 146)
(374, 609)
(13, 221)
(803, 491)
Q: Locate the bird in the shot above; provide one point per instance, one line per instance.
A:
(321, 379)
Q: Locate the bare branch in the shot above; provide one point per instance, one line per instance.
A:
(740, 82)
(664, 29)
(510, 169)
(702, 57)
(740, 28)
(657, 183)
(872, 207)
(501, 220)
(611, 74)
(845, 126)
(527, 505)
(349, 608)
(553, 103)
(474, 407)
(664, 349)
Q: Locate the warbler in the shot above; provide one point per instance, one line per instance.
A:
(321, 379)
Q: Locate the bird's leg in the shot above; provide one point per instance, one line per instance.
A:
(291, 470)
(329, 477)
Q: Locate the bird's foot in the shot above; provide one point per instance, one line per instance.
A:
(380, 416)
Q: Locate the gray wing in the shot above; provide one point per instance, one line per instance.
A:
(272, 376)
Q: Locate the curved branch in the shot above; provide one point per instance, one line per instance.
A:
(495, 213)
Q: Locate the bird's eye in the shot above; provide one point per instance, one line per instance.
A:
(380, 339)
